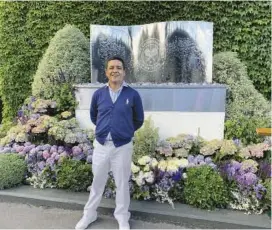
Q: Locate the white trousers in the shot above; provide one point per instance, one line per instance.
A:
(118, 160)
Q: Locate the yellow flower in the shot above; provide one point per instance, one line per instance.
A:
(162, 165)
(172, 165)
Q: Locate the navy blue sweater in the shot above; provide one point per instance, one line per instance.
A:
(121, 118)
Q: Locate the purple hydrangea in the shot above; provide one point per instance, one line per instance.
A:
(264, 171)
(54, 148)
(208, 160)
(19, 149)
(46, 154)
(27, 144)
(41, 165)
(60, 149)
(190, 158)
(51, 163)
(76, 151)
(259, 190)
(46, 147)
(38, 148)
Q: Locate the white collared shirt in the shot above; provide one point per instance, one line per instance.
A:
(115, 95)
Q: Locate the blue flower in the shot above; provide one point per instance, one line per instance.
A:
(177, 176)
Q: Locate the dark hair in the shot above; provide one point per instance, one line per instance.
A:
(115, 58)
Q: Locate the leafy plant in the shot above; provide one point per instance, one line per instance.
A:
(205, 188)
(244, 128)
(146, 139)
(68, 52)
(12, 170)
(267, 198)
(246, 108)
(74, 175)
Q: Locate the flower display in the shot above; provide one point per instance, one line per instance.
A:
(144, 160)
(161, 175)
(256, 150)
(228, 147)
(211, 147)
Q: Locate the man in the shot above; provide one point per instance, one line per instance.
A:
(117, 112)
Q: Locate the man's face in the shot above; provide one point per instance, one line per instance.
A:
(115, 72)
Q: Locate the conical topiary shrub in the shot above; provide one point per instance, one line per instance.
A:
(67, 59)
(246, 108)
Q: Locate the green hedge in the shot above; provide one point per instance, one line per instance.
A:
(13, 170)
(27, 27)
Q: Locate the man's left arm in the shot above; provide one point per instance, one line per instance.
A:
(138, 112)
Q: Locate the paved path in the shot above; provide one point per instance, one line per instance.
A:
(23, 216)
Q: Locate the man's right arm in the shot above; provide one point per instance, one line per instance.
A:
(93, 109)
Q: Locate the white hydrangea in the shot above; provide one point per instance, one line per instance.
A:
(183, 163)
(140, 179)
(149, 177)
(153, 162)
(144, 160)
(134, 168)
(146, 168)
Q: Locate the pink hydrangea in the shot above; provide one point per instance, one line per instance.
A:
(46, 154)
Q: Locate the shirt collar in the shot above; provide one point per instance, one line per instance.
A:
(124, 84)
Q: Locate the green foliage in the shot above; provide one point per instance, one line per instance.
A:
(26, 29)
(5, 128)
(246, 108)
(65, 97)
(242, 99)
(267, 198)
(16, 62)
(74, 175)
(205, 188)
(12, 170)
(66, 60)
(145, 141)
(244, 129)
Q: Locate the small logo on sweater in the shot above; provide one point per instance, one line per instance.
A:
(127, 101)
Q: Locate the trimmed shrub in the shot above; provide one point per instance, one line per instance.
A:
(246, 108)
(12, 170)
(205, 188)
(242, 97)
(73, 175)
(67, 59)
